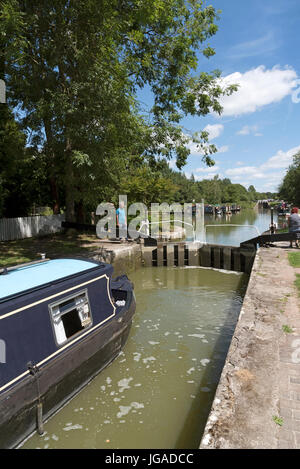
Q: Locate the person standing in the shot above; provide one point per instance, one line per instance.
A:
(121, 221)
(294, 224)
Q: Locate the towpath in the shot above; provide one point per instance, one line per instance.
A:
(257, 403)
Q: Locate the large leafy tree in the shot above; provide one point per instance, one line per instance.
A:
(290, 187)
(12, 143)
(73, 68)
(148, 186)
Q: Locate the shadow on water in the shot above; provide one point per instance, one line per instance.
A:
(194, 426)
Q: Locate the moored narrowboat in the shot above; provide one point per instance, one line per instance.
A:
(61, 322)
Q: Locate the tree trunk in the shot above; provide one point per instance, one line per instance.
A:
(80, 215)
(51, 159)
(55, 196)
(69, 184)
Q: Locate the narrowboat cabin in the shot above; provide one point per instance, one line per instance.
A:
(61, 322)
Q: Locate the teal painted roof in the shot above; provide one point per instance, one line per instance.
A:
(35, 275)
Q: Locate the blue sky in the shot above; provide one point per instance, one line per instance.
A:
(257, 46)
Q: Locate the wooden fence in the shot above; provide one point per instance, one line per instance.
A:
(27, 227)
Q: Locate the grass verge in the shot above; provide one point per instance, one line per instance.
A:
(297, 283)
(278, 420)
(294, 259)
(58, 245)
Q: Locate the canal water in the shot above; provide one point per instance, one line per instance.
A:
(250, 223)
(158, 392)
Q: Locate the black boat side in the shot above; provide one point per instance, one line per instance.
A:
(43, 369)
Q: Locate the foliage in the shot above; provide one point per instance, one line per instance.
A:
(297, 283)
(148, 186)
(294, 259)
(287, 329)
(12, 144)
(165, 184)
(290, 187)
(278, 420)
(73, 69)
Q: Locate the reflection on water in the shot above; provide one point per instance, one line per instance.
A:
(233, 236)
(158, 392)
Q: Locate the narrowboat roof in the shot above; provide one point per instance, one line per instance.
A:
(31, 276)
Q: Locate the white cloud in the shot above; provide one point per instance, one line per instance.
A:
(172, 164)
(250, 129)
(244, 131)
(223, 149)
(252, 171)
(214, 130)
(195, 151)
(269, 173)
(257, 88)
(281, 160)
(193, 147)
(208, 169)
(205, 176)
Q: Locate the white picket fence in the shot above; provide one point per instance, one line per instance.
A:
(27, 227)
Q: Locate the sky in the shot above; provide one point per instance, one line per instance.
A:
(258, 47)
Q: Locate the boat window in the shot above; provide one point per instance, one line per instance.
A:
(70, 316)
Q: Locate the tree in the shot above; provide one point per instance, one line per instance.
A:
(252, 193)
(289, 189)
(148, 186)
(237, 193)
(74, 67)
(12, 147)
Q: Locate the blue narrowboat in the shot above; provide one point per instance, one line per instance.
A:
(61, 322)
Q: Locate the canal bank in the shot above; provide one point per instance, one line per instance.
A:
(257, 402)
(125, 257)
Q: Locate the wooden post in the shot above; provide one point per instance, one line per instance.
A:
(217, 258)
(248, 251)
(193, 259)
(170, 255)
(227, 258)
(180, 255)
(39, 418)
(147, 257)
(237, 260)
(160, 255)
(205, 256)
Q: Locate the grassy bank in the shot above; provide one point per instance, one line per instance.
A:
(297, 283)
(58, 245)
(294, 259)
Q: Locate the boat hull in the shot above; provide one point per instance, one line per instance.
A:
(62, 378)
